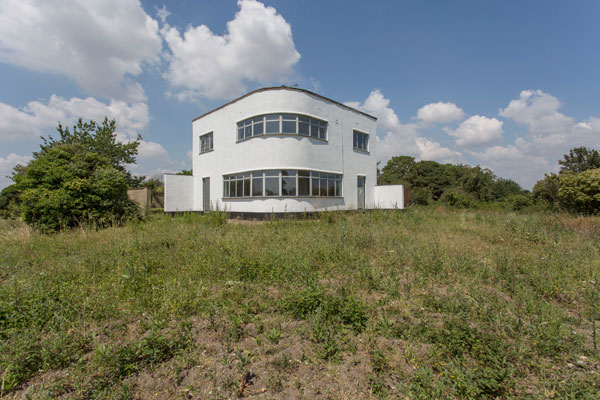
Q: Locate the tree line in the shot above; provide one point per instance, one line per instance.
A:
(576, 188)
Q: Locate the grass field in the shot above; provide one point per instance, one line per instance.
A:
(425, 303)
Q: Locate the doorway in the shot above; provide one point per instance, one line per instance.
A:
(360, 190)
(206, 194)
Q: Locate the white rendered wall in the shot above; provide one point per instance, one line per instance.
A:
(389, 196)
(179, 192)
(336, 155)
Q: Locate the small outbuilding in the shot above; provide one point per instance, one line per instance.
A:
(282, 149)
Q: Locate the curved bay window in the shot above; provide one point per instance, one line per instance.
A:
(282, 124)
(282, 183)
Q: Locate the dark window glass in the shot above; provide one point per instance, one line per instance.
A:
(239, 184)
(246, 187)
(288, 186)
(330, 187)
(257, 186)
(272, 117)
(303, 186)
(314, 130)
(288, 127)
(361, 141)
(248, 131)
(272, 127)
(304, 173)
(240, 133)
(323, 187)
(232, 188)
(315, 186)
(272, 172)
(256, 174)
(338, 188)
(289, 116)
(259, 128)
(303, 128)
(322, 132)
(303, 118)
(271, 186)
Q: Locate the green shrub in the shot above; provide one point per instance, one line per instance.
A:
(420, 196)
(457, 198)
(580, 192)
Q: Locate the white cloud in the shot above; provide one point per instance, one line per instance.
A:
(152, 151)
(6, 166)
(162, 13)
(257, 47)
(430, 150)
(440, 113)
(539, 112)
(99, 45)
(36, 117)
(477, 131)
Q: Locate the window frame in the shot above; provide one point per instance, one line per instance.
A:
(210, 138)
(356, 134)
(323, 183)
(283, 118)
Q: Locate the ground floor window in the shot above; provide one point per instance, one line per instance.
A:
(282, 183)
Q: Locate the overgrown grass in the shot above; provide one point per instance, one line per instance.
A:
(424, 303)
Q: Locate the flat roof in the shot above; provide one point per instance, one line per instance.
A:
(287, 88)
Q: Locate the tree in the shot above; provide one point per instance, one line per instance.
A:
(78, 179)
(580, 192)
(580, 159)
(100, 139)
(397, 171)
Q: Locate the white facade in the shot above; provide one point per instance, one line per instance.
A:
(334, 155)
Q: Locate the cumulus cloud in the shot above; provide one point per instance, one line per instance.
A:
(152, 151)
(6, 166)
(99, 45)
(440, 112)
(257, 47)
(477, 131)
(539, 112)
(37, 117)
(430, 150)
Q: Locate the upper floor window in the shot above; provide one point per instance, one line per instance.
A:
(360, 141)
(282, 124)
(206, 142)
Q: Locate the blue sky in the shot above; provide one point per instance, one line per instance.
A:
(509, 85)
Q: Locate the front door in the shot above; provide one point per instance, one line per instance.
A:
(360, 190)
(206, 194)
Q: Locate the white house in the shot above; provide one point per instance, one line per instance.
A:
(282, 149)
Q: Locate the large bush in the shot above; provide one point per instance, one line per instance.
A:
(78, 179)
(580, 192)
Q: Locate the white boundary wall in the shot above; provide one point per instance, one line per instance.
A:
(389, 196)
(179, 192)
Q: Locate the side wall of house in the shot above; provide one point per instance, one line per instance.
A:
(179, 193)
(336, 155)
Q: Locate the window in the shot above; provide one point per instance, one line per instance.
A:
(206, 143)
(282, 124)
(282, 183)
(360, 141)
